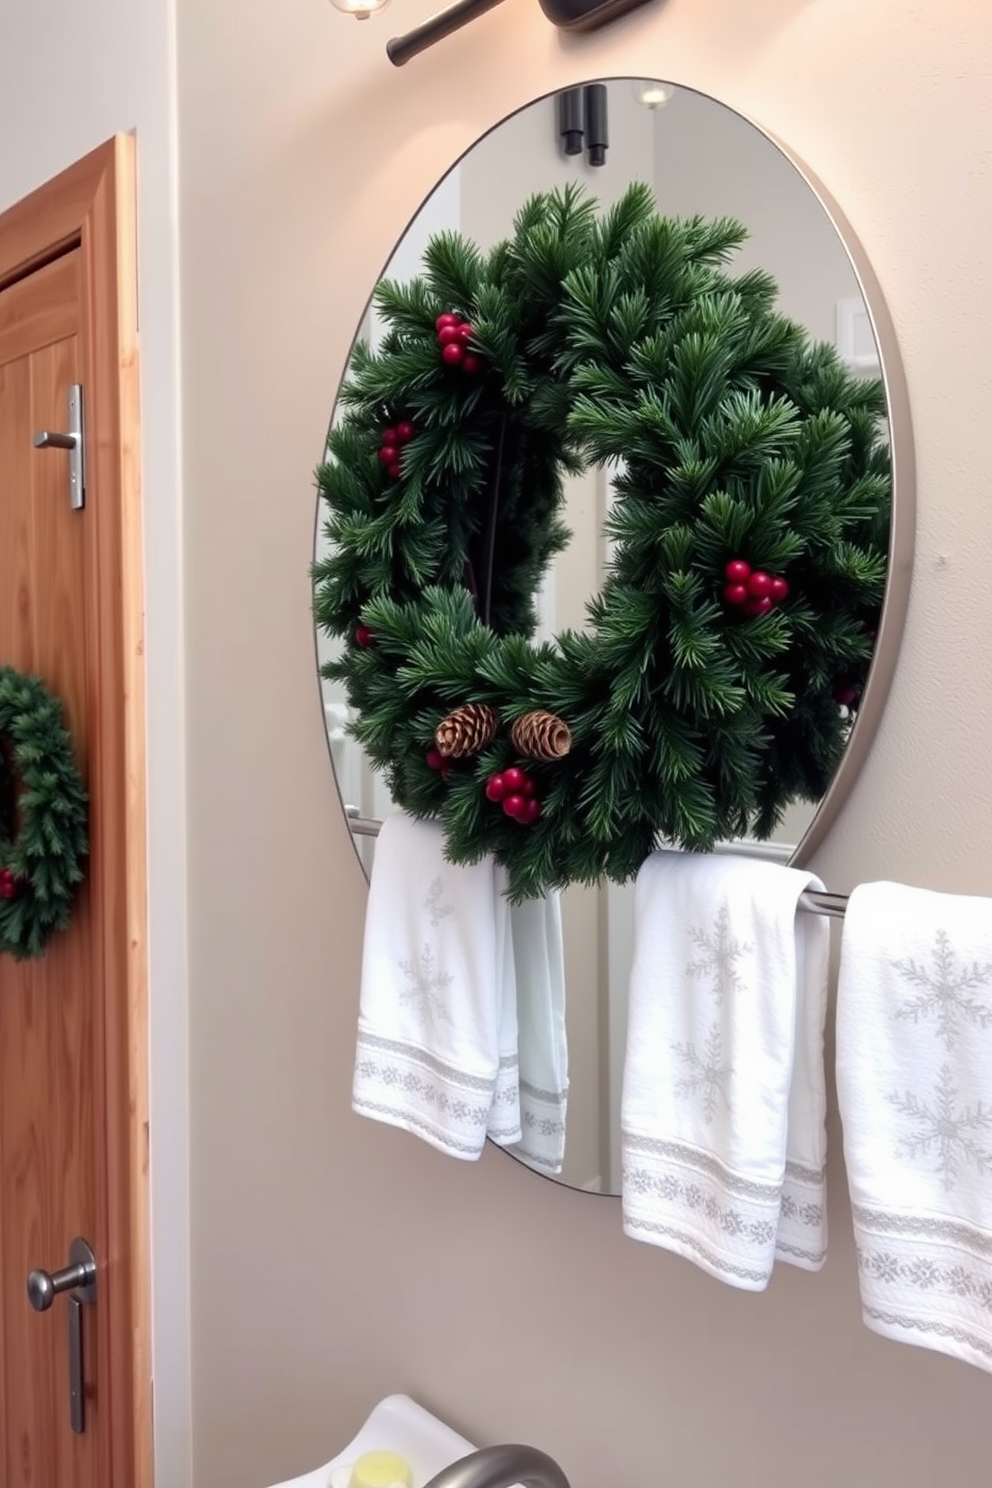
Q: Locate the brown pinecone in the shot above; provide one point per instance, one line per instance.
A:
(541, 736)
(467, 730)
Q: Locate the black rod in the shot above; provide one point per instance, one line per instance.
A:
(401, 48)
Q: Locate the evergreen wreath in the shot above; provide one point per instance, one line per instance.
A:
(725, 654)
(43, 836)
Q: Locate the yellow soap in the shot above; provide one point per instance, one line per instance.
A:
(381, 1470)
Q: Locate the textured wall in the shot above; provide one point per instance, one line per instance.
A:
(333, 1261)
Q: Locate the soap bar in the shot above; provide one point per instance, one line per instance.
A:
(381, 1470)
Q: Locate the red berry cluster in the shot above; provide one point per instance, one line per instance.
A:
(9, 883)
(437, 761)
(753, 591)
(392, 439)
(514, 789)
(453, 336)
(363, 636)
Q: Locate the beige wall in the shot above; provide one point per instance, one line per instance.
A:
(334, 1261)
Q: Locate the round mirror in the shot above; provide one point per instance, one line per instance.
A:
(698, 163)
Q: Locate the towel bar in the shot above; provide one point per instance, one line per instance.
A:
(814, 901)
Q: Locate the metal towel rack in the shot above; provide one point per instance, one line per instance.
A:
(813, 901)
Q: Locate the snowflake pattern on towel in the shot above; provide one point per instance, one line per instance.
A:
(705, 1073)
(721, 953)
(435, 904)
(426, 986)
(945, 989)
(944, 1130)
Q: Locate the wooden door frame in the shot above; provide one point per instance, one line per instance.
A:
(92, 206)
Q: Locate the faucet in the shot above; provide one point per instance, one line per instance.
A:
(502, 1467)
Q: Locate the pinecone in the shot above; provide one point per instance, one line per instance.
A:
(541, 736)
(467, 730)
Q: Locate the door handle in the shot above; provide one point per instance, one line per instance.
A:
(72, 441)
(79, 1278)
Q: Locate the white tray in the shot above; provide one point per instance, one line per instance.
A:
(398, 1424)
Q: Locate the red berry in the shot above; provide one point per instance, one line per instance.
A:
(779, 589)
(390, 436)
(389, 454)
(737, 571)
(465, 331)
(495, 788)
(759, 585)
(760, 606)
(528, 786)
(434, 759)
(449, 333)
(404, 433)
(363, 636)
(513, 805)
(845, 694)
(735, 594)
(514, 779)
(531, 811)
(452, 353)
(447, 319)
(471, 363)
(394, 471)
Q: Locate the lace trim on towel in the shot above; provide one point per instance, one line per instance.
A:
(504, 1115)
(918, 1227)
(675, 1191)
(423, 1057)
(409, 1087)
(927, 1276)
(802, 1225)
(691, 1247)
(690, 1202)
(542, 1119)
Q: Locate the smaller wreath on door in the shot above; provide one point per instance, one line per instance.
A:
(43, 816)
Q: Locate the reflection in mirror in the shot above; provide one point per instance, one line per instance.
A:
(700, 159)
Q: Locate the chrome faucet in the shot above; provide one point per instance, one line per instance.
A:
(502, 1467)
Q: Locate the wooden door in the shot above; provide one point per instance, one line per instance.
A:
(72, 1058)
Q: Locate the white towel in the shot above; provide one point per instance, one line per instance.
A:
(914, 1078)
(436, 1050)
(722, 1122)
(538, 955)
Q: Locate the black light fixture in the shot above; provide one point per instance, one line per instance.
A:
(582, 121)
(570, 117)
(568, 15)
(597, 134)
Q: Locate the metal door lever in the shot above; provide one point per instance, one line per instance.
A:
(72, 441)
(79, 1278)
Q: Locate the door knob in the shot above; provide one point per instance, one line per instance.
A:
(78, 1276)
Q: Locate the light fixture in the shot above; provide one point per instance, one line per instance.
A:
(360, 9)
(567, 15)
(651, 94)
(597, 134)
(570, 120)
(582, 121)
